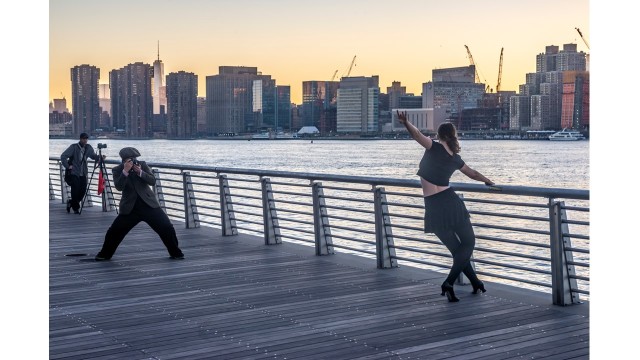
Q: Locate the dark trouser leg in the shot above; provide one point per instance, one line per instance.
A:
(160, 223)
(460, 243)
(78, 190)
(116, 233)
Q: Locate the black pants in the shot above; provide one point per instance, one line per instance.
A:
(460, 242)
(78, 190)
(155, 218)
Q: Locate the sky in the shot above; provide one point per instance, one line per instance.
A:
(402, 42)
(296, 41)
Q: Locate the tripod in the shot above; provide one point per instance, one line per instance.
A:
(99, 164)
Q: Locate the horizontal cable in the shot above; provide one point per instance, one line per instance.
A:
(509, 216)
(390, 203)
(406, 216)
(508, 253)
(583, 251)
(245, 188)
(576, 222)
(352, 229)
(578, 277)
(290, 193)
(406, 248)
(575, 208)
(398, 226)
(234, 203)
(496, 202)
(362, 221)
(294, 229)
(509, 241)
(292, 202)
(508, 228)
(236, 195)
(575, 236)
(546, 272)
(296, 221)
(352, 239)
(295, 211)
(243, 180)
(345, 189)
(347, 199)
(296, 238)
(250, 222)
(289, 184)
(576, 263)
(247, 229)
(425, 241)
(247, 213)
(353, 249)
(349, 209)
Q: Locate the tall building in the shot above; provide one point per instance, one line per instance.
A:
(182, 105)
(320, 105)
(452, 89)
(202, 116)
(545, 88)
(395, 91)
(59, 105)
(84, 98)
(159, 89)
(358, 110)
(230, 101)
(575, 100)
(104, 98)
(520, 113)
(131, 100)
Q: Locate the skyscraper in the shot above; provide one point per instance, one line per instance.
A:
(452, 89)
(358, 110)
(84, 98)
(182, 105)
(159, 90)
(544, 89)
(230, 100)
(320, 104)
(131, 100)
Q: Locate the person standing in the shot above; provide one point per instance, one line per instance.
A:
(138, 203)
(74, 160)
(445, 213)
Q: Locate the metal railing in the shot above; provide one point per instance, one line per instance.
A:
(527, 236)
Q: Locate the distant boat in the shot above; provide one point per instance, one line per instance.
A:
(263, 135)
(566, 135)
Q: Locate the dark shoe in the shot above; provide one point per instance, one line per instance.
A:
(448, 290)
(477, 287)
(68, 206)
(101, 258)
(177, 257)
(76, 211)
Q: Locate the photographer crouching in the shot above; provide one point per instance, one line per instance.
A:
(138, 203)
(74, 160)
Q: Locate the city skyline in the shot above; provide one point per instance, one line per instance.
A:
(296, 42)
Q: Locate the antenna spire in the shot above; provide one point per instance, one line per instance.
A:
(158, 50)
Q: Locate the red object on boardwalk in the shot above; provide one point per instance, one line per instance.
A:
(100, 183)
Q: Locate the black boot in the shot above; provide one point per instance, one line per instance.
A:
(68, 206)
(448, 290)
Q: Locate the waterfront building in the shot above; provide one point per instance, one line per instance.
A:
(357, 110)
(423, 119)
(159, 89)
(131, 100)
(271, 105)
(452, 89)
(230, 100)
(395, 91)
(519, 112)
(182, 105)
(575, 100)
(320, 105)
(545, 88)
(84, 98)
(201, 122)
(409, 101)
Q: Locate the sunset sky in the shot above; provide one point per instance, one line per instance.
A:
(295, 41)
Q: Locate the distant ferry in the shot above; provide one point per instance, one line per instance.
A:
(566, 135)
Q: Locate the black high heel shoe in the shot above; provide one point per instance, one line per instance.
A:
(448, 290)
(479, 287)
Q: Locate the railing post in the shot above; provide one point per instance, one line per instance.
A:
(269, 214)
(108, 201)
(226, 208)
(324, 242)
(385, 252)
(64, 188)
(52, 194)
(157, 189)
(561, 283)
(191, 219)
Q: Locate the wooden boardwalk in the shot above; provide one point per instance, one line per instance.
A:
(236, 298)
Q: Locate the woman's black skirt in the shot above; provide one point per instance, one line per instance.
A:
(443, 211)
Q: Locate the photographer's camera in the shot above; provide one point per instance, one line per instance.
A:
(102, 146)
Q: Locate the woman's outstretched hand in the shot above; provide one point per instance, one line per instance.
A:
(402, 117)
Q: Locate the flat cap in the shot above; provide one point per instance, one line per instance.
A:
(84, 136)
(129, 152)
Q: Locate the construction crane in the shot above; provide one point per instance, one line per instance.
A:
(583, 39)
(499, 72)
(351, 66)
(334, 75)
(475, 67)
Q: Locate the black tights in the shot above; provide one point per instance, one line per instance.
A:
(460, 242)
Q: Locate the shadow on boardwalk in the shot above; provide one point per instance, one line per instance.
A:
(236, 298)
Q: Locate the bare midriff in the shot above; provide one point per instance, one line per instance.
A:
(429, 189)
